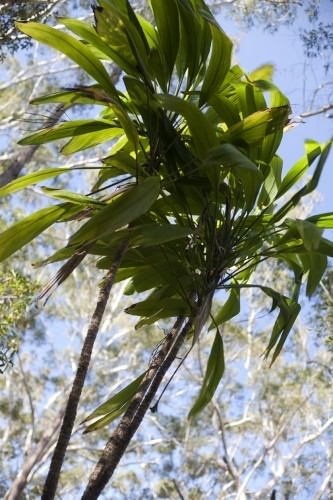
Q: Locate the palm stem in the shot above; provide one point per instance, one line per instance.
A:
(123, 433)
(68, 421)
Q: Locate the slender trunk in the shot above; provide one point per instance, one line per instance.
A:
(24, 156)
(57, 460)
(122, 435)
(36, 455)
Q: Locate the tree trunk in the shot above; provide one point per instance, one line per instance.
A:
(122, 435)
(57, 460)
(36, 455)
(24, 156)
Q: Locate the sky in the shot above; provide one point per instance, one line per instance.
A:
(298, 77)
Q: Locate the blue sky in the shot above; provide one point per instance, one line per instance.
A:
(298, 77)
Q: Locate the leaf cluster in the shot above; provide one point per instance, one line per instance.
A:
(192, 181)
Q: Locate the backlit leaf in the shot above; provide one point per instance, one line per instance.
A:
(113, 407)
(33, 178)
(24, 231)
(229, 310)
(324, 221)
(219, 63)
(72, 129)
(72, 48)
(213, 375)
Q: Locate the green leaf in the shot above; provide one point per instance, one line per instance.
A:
(89, 34)
(324, 221)
(112, 31)
(213, 375)
(313, 150)
(229, 310)
(72, 48)
(73, 129)
(316, 264)
(281, 329)
(90, 140)
(145, 278)
(245, 99)
(188, 57)
(70, 97)
(272, 182)
(166, 308)
(240, 166)
(33, 178)
(277, 97)
(120, 211)
(24, 231)
(309, 233)
(309, 186)
(122, 26)
(226, 110)
(203, 133)
(167, 22)
(149, 235)
(263, 72)
(80, 199)
(325, 247)
(256, 126)
(219, 63)
(148, 277)
(113, 407)
(146, 235)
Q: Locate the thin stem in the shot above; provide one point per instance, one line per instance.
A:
(58, 457)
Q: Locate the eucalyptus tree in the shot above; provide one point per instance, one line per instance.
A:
(16, 295)
(189, 200)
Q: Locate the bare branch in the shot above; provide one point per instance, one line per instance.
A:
(323, 109)
(323, 487)
(227, 459)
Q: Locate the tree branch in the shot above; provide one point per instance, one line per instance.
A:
(228, 461)
(323, 109)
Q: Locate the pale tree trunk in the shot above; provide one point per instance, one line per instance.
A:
(36, 455)
(57, 460)
(122, 435)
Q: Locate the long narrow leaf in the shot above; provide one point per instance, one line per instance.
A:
(72, 48)
(213, 375)
(113, 407)
(219, 64)
(71, 129)
(33, 178)
(24, 231)
(121, 211)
